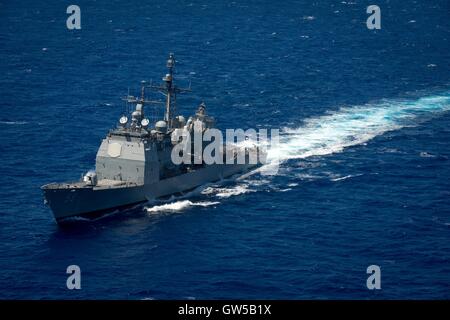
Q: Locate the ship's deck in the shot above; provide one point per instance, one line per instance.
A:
(65, 185)
(111, 183)
(101, 184)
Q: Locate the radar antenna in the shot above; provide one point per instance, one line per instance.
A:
(132, 99)
(169, 90)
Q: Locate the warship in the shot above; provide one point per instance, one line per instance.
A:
(133, 163)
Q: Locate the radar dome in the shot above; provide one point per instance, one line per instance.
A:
(181, 120)
(136, 115)
(145, 122)
(161, 126)
(123, 120)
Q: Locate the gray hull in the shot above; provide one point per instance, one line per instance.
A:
(69, 200)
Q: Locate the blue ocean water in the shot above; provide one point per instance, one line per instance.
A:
(365, 146)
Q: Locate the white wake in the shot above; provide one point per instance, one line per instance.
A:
(351, 126)
(178, 206)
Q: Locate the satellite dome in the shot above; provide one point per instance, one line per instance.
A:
(161, 126)
(145, 122)
(123, 120)
(181, 121)
(135, 115)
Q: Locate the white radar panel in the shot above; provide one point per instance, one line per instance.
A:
(145, 122)
(123, 120)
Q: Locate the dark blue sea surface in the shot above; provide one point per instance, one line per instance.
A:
(365, 149)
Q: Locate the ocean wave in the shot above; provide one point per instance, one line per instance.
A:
(227, 192)
(14, 122)
(346, 177)
(425, 154)
(178, 206)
